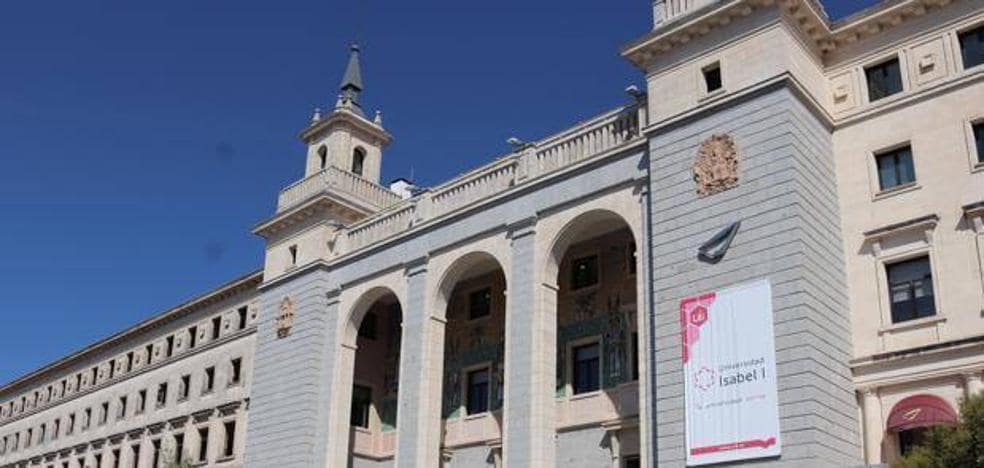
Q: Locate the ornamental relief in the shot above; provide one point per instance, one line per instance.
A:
(285, 321)
(716, 167)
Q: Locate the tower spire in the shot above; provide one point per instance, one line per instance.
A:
(352, 81)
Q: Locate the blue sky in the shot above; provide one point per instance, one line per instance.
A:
(140, 141)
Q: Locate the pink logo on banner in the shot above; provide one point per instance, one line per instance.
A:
(694, 313)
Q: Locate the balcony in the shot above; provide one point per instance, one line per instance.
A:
(341, 184)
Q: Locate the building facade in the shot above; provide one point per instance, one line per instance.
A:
(527, 313)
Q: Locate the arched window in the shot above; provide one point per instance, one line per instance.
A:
(323, 155)
(358, 160)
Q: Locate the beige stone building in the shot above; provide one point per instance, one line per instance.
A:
(527, 312)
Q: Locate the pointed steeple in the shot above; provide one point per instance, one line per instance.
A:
(352, 81)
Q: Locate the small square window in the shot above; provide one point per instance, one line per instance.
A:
(584, 272)
(978, 129)
(910, 286)
(895, 168)
(361, 401)
(712, 77)
(480, 303)
(884, 79)
(478, 391)
(587, 368)
(972, 47)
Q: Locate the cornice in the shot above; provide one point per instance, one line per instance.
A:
(345, 117)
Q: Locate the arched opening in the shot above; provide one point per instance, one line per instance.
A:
(473, 381)
(598, 346)
(323, 156)
(358, 160)
(375, 382)
(912, 417)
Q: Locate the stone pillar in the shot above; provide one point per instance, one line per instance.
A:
(975, 383)
(531, 356)
(874, 432)
(421, 368)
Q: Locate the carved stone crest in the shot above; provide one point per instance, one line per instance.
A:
(716, 167)
(285, 321)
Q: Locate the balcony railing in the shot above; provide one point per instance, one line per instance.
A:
(340, 182)
(603, 134)
(665, 11)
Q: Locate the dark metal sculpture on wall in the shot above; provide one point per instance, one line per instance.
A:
(713, 250)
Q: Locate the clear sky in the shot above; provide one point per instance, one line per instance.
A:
(140, 141)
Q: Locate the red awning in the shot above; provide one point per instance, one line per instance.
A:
(921, 411)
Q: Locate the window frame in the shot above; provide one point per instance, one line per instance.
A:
(975, 152)
(895, 150)
(359, 155)
(466, 381)
(979, 27)
(572, 269)
(572, 347)
(890, 287)
(468, 302)
(368, 407)
(895, 56)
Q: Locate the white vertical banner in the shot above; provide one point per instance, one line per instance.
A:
(729, 364)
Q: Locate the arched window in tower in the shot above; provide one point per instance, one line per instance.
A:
(358, 160)
(323, 155)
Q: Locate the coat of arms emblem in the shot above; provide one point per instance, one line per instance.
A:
(716, 167)
(286, 318)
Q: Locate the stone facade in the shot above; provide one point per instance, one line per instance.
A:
(525, 313)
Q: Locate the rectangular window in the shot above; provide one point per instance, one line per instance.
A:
(141, 401)
(104, 416)
(884, 79)
(478, 391)
(480, 303)
(129, 361)
(71, 424)
(978, 129)
(161, 394)
(116, 458)
(156, 461)
(178, 448)
(95, 377)
(895, 168)
(99, 460)
(230, 439)
(910, 285)
(216, 327)
(170, 346)
(88, 419)
(56, 430)
(30, 435)
(242, 316)
(150, 353)
(361, 402)
(293, 255)
(367, 329)
(587, 368)
(236, 371)
(121, 411)
(972, 47)
(712, 77)
(185, 387)
(584, 272)
(202, 444)
(135, 455)
(44, 432)
(209, 382)
(635, 356)
(192, 336)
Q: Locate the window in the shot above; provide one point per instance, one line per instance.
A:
(236, 368)
(631, 258)
(478, 391)
(30, 435)
(192, 337)
(587, 368)
(358, 160)
(323, 155)
(170, 346)
(632, 462)
(156, 461)
(584, 272)
(185, 387)
(95, 376)
(242, 316)
(230, 439)
(116, 458)
(104, 416)
(129, 361)
(162, 394)
(910, 285)
(71, 424)
(712, 77)
(141, 401)
(978, 129)
(361, 401)
(884, 79)
(202, 444)
(178, 448)
(367, 329)
(480, 303)
(121, 411)
(635, 356)
(99, 459)
(43, 433)
(972, 47)
(56, 429)
(910, 439)
(88, 419)
(209, 382)
(895, 168)
(135, 455)
(216, 327)
(292, 250)
(150, 353)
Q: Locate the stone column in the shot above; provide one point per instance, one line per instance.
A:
(421, 366)
(874, 432)
(531, 356)
(975, 383)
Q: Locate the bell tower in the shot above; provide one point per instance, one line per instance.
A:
(345, 138)
(340, 184)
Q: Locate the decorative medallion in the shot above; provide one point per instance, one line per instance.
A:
(716, 167)
(285, 321)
